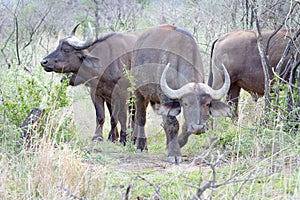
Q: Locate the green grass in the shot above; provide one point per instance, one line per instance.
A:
(105, 170)
(254, 162)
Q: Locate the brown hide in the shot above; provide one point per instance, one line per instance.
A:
(100, 66)
(168, 72)
(238, 51)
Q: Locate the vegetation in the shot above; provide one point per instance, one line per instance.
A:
(243, 160)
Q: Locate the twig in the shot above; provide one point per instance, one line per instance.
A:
(71, 194)
(284, 81)
(157, 189)
(17, 36)
(211, 184)
(36, 28)
(265, 66)
(231, 180)
(286, 51)
(278, 29)
(127, 192)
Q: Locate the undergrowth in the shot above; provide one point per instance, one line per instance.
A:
(242, 160)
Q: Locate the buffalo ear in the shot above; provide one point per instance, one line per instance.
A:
(167, 109)
(90, 61)
(163, 110)
(218, 109)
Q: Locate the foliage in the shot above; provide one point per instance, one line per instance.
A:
(21, 91)
(131, 104)
(251, 161)
(285, 113)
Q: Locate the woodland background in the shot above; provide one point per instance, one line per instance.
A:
(253, 158)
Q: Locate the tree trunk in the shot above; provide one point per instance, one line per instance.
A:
(264, 61)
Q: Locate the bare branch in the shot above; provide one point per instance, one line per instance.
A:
(32, 33)
(17, 40)
(157, 189)
(284, 81)
(286, 51)
(127, 192)
(264, 61)
(73, 196)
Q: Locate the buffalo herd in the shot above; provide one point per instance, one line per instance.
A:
(168, 73)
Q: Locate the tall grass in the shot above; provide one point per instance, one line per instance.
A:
(252, 162)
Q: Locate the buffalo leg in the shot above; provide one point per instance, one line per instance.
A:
(113, 133)
(100, 116)
(122, 116)
(140, 120)
(184, 136)
(233, 100)
(171, 127)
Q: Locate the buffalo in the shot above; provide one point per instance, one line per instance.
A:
(238, 51)
(169, 75)
(100, 65)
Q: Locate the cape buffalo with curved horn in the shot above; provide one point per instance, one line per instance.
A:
(170, 87)
(100, 65)
(238, 51)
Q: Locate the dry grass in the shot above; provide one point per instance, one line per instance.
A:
(255, 164)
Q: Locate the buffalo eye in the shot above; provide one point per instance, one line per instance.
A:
(66, 50)
(185, 103)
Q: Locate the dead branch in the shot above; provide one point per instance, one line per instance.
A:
(157, 189)
(73, 196)
(3, 48)
(280, 26)
(265, 65)
(211, 184)
(284, 81)
(15, 31)
(17, 40)
(286, 51)
(127, 192)
(31, 123)
(33, 32)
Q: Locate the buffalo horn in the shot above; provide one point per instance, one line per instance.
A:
(78, 44)
(188, 88)
(218, 94)
(174, 94)
(74, 30)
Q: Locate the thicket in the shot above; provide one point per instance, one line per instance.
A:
(29, 30)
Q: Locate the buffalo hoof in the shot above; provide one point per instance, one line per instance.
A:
(173, 159)
(142, 151)
(97, 138)
(141, 144)
(123, 138)
(113, 136)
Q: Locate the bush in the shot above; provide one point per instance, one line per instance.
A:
(21, 91)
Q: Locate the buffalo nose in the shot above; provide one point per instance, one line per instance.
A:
(197, 128)
(44, 62)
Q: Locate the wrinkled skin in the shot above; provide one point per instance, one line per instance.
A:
(99, 65)
(173, 87)
(238, 51)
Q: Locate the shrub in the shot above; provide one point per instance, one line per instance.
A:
(21, 91)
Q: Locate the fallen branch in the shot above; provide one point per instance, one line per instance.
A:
(211, 184)
(31, 123)
(71, 194)
(157, 189)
